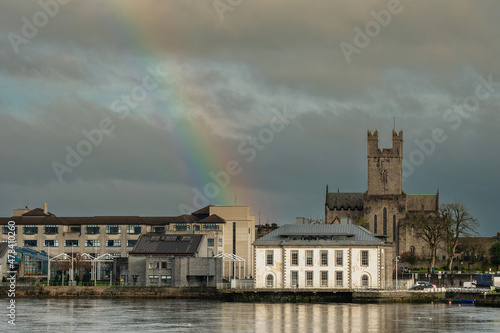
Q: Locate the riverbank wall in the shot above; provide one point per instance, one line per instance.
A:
(258, 295)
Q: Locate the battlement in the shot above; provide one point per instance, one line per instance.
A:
(385, 165)
(395, 151)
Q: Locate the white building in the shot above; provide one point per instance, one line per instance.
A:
(322, 256)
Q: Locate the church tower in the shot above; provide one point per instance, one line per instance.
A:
(385, 167)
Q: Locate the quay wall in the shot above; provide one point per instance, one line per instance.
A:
(256, 295)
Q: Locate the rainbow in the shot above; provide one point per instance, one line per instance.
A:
(195, 153)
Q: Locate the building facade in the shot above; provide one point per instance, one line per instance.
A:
(322, 256)
(228, 229)
(173, 260)
(384, 205)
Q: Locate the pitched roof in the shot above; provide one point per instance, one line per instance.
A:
(37, 212)
(4, 246)
(214, 218)
(319, 234)
(203, 211)
(167, 244)
(345, 201)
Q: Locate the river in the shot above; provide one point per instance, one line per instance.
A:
(105, 315)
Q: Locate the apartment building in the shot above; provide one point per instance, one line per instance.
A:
(228, 229)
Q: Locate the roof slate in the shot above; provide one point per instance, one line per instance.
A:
(345, 201)
(167, 244)
(355, 233)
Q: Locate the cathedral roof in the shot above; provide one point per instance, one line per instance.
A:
(345, 201)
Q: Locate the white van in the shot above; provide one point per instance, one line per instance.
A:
(469, 284)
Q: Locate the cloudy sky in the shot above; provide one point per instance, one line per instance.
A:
(156, 107)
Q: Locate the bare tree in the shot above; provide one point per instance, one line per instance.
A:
(430, 228)
(459, 223)
(471, 251)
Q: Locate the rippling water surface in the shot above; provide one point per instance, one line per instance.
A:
(101, 315)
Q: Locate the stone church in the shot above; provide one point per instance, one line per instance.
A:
(384, 205)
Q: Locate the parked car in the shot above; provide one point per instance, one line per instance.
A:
(469, 284)
(421, 285)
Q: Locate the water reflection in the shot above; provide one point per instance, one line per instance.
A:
(97, 315)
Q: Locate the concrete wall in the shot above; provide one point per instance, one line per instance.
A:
(241, 225)
(137, 267)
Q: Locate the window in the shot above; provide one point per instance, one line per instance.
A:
(75, 229)
(131, 242)
(51, 230)
(364, 258)
(394, 230)
(116, 255)
(30, 243)
(166, 280)
(134, 229)
(181, 227)
(113, 229)
(51, 243)
(339, 278)
(154, 265)
(324, 258)
(295, 257)
(92, 229)
(210, 226)
(294, 279)
(113, 243)
(339, 257)
(6, 230)
(234, 237)
(385, 221)
(375, 224)
(153, 279)
(309, 278)
(412, 249)
(71, 242)
(159, 229)
(364, 281)
(309, 257)
(324, 278)
(196, 227)
(269, 257)
(210, 242)
(269, 281)
(93, 243)
(220, 242)
(30, 230)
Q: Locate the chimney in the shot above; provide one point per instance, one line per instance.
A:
(45, 209)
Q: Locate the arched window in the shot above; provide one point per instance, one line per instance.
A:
(375, 224)
(412, 249)
(270, 281)
(394, 229)
(385, 221)
(365, 281)
(384, 176)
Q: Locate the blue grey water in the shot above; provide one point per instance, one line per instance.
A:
(104, 315)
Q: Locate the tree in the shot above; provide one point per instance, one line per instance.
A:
(495, 254)
(459, 223)
(409, 257)
(471, 251)
(430, 228)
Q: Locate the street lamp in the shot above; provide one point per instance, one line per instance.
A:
(72, 272)
(48, 266)
(397, 258)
